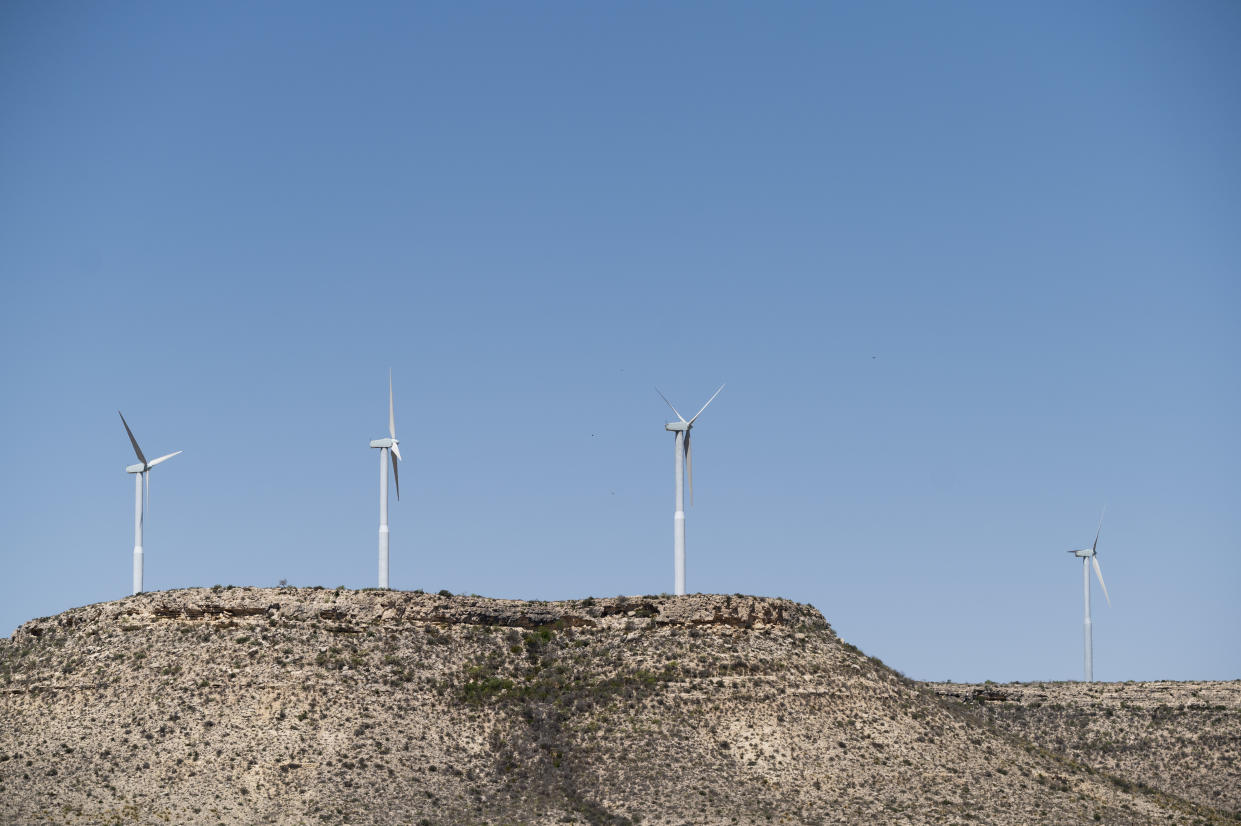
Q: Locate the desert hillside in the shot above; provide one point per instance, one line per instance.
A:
(292, 706)
(1179, 737)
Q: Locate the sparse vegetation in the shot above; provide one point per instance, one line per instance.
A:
(204, 705)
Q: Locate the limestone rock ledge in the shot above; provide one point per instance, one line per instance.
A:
(347, 610)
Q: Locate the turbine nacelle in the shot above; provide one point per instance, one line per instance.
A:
(385, 442)
(1084, 553)
(143, 467)
(677, 426)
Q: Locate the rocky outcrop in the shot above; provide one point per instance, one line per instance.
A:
(352, 610)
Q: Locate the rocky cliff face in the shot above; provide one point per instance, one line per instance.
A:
(312, 706)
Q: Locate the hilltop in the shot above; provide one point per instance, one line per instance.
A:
(284, 705)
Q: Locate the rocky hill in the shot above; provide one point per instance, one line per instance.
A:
(249, 705)
(1180, 737)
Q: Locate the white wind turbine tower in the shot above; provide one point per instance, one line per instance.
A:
(684, 467)
(1090, 556)
(386, 445)
(140, 472)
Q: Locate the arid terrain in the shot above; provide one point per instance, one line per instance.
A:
(1180, 737)
(284, 705)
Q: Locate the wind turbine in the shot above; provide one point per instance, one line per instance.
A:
(386, 445)
(684, 467)
(1090, 556)
(140, 472)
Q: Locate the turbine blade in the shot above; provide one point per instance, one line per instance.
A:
(1099, 573)
(396, 476)
(391, 413)
(704, 407)
(397, 452)
(1100, 529)
(132, 440)
(146, 484)
(665, 398)
(155, 462)
(689, 467)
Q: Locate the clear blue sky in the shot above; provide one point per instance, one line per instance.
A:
(970, 270)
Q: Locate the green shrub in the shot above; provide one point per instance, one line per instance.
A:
(477, 691)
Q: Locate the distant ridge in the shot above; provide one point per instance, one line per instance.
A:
(298, 705)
